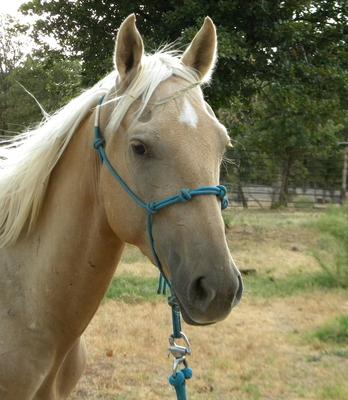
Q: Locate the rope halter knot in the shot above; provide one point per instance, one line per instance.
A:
(185, 195)
(151, 208)
(98, 143)
(222, 195)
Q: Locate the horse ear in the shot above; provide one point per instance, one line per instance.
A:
(129, 47)
(201, 53)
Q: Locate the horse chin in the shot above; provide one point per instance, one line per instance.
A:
(187, 318)
(190, 321)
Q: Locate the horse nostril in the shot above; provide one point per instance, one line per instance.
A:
(239, 291)
(201, 294)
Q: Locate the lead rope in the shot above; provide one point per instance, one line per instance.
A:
(178, 378)
(179, 352)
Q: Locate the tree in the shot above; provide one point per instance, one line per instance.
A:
(258, 41)
(11, 55)
(52, 78)
(281, 74)
(86, 29)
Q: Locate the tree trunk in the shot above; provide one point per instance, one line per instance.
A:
(283, 196)
(276, 190)
(241, 196)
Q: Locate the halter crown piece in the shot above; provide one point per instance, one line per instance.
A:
(178, 378)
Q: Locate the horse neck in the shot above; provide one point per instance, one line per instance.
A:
(75, 250)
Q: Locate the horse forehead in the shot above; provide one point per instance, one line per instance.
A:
(181, 102)
(188, 114)
(178, 106)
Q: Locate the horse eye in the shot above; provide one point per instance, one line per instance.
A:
(139, 148)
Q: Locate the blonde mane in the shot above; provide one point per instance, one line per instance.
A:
(27, 160)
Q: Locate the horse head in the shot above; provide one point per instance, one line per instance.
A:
(162, 136)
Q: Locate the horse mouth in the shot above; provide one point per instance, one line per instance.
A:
(188, 319)
(216, 310)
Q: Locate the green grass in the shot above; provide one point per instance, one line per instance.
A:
(332, 249)
(335, 332)
(228, 219)
(334, 392)
(271, 218)
(340, 353)
(252, 390)
(132, 255)
(266, 287)
(303, 202)
(133, 289)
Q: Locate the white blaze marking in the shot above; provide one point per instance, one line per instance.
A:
(188, 114)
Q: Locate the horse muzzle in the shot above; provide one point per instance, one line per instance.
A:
(209, 298)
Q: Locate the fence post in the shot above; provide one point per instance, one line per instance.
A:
(276, 188)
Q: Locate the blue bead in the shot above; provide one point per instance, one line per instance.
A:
(187, 373)
(177, 380)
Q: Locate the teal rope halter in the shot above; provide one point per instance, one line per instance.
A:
(178, 378)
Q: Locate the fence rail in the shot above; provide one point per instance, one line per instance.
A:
(263, 196)
(255, 181)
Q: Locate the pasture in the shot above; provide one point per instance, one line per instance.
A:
(287, 340)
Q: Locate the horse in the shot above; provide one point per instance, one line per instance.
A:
(64, 220)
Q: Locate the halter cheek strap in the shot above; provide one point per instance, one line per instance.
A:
(178, 378)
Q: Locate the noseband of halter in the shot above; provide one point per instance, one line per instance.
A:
(152, 208)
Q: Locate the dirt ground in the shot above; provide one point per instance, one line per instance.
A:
(263, 350)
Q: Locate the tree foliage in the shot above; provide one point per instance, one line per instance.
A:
(53, 81)
(49, 76)
(281, 81)
(11, 49)
(258, 41)
(11, 54)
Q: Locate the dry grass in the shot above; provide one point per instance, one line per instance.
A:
(258, 352)
(276, 243)
(261, 351)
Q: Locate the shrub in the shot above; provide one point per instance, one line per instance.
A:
(332, 251)
(228, 219)
(303, 202)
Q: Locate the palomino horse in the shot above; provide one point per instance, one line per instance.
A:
(64, 220)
